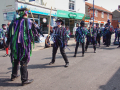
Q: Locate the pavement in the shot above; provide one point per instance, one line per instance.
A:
(40, 46)
(94, 71)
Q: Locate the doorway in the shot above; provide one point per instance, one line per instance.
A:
(72, 21)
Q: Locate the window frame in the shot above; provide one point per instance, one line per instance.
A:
(102, 15)
(108, 16)
(96, 13)
(73, 4)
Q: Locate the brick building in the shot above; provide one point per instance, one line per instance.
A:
(101, 15)
(116, 18)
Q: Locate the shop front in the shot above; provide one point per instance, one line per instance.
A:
(101, 23)
(40, 14)
(70, 18)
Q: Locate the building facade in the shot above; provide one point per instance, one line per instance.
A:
(116, 18)
(71, 11)
(101, 15)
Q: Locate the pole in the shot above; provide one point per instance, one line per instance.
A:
(32, 16)
(49, 22)
(93, 13)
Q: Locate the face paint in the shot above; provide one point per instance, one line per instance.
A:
(58, 23)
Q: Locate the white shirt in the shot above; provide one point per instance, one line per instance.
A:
(74, 30)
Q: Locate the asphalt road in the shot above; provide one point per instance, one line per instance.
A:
(94, 71)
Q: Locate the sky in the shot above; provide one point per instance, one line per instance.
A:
(110, 5)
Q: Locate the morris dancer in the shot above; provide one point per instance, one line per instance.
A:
(80, 37)
(21, 34)
(91, 37)
(60, 40)
(98, 34)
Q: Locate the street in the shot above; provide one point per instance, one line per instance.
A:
(94, 71)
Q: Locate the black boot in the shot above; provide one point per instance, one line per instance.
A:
(27, 82)
(86, 48)
(82, 55)
(13, 78)
(94, 49)
(67, 64)
(51, 63)
(74, 55)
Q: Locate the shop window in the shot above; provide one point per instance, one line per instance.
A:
(72, 4)
(102, 15)
(37, 1)
(96, 13)
(21, 0)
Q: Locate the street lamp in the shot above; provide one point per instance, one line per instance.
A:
(93, 13)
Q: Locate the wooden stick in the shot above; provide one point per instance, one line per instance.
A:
(49, 22)
(32, 16)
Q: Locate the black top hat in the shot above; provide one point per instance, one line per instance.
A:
(22, 9)
(91, 23)
(82, 23)
(108, 21)
(60, 20)
(97, 24)
(3, 25)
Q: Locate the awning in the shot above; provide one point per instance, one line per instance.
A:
(67, 14)
(87, 17)
(87, 21)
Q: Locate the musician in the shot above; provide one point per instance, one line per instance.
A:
(109, 30)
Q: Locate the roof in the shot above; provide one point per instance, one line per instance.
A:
(98, 7)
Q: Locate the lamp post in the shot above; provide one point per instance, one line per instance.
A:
(93, 13)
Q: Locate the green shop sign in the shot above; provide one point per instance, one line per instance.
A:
(67, 14)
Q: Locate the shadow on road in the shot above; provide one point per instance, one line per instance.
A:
(43, 66)
(50, 58)
(4, 82)
(113, 83)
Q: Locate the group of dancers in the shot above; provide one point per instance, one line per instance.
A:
(21, 37)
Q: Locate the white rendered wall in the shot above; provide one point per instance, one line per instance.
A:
(64, 5)
(49, 3)
(80, 6)
(6, 6)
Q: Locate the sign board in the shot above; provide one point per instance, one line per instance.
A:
(5, 16)
(9, 9)
(31, 0)
(67, 14)
(10, 15)
(72, 15)
(37, 10)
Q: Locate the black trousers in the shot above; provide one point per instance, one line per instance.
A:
(104, 39)
(98, 39)
(76, 48)
(62, 51)
(23, 69)
(108, 39)
(118, 39)
(93, 42)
